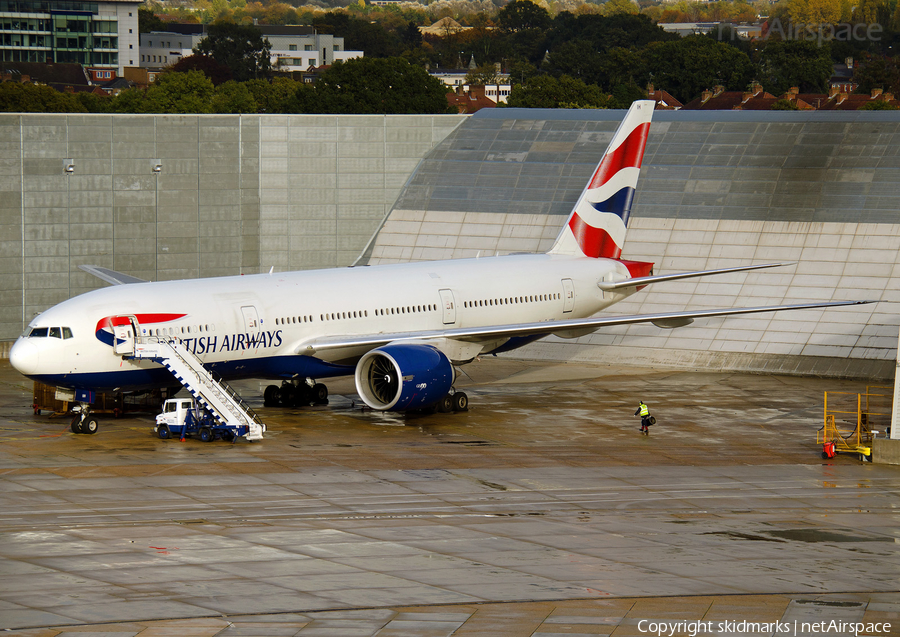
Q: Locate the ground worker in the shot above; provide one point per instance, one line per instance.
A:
(644, 412)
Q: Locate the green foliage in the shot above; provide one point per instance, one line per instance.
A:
(241, 48)
(523, 15)
(94, 103)
(785, 105)
(801, 63)
(149, 21)
(233, 97)
(486, 74)
(218, 73)
(878, 72)
(36, 98)
(878, 105)
(189, 92)
(277, 96)
(546, 91)
(371, 85)
(688, 66)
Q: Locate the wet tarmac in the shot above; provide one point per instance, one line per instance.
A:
(541, 511)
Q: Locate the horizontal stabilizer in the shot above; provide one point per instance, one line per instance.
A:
(647, 280)
(110, 276)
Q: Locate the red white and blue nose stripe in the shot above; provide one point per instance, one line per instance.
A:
(600, 218)
(105, 326)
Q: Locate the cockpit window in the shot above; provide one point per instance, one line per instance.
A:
(67, 333)
(55, 332)
(37, 332)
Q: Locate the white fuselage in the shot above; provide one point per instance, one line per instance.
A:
(258, 325)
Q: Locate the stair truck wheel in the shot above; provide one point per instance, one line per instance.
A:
(460, 401)
(90, 426)
(206, 434)
(320, 394)
(76, 425)
(163, 432)
(228, 436)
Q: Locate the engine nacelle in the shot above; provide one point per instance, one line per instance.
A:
(403, 376)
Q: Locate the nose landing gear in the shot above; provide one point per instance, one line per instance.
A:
(83, 422)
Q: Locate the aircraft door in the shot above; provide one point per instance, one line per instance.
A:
(568, 295)
(251, 318)
(125, 329)
(448, 306)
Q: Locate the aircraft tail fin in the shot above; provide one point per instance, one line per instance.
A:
(597, 225)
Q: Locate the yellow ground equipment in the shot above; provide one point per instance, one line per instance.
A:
(853, 420)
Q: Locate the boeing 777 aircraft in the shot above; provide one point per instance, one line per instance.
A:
(400, 329)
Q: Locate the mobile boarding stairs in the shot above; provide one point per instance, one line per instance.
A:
(229, 411)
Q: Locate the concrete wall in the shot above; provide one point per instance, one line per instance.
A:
(234, 194)
(718, 189)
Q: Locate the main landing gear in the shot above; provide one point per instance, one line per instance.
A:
(83, 422)
(453, 401)
(296, 394)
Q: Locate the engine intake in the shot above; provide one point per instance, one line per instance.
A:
(403, 376)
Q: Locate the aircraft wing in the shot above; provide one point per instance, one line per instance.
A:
(574, 327)
(110, 276)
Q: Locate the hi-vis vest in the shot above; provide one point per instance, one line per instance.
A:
(645, 410)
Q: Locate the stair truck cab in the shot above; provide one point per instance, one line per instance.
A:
(183, 417)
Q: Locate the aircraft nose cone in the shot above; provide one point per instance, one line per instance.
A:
(24, 356)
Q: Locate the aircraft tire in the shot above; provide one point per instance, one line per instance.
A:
(90, 426)
(460, 401)
(302, 395)
(163, 432)
(270, 396)
(445, 404)
(76, 425)
(206, 434)
(287, 394)
(320, 394)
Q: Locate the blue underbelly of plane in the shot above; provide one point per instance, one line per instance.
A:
(275, 367)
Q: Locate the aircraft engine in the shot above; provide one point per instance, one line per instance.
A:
(402, 376)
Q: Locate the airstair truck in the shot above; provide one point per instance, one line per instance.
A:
(182, 417)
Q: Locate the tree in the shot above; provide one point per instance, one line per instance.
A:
(373, 85)
(523, 15)
(688, 66)
(149, 21)
(36, 98)
(616, 7)
(801, 63)
(241, 48)
(233, 97)
(277, 96)
(878, 105)
(486, 74)
(878, 72)
(785, 105)
(189, 92)
(546, 91)
(217, 73)
(816, 12)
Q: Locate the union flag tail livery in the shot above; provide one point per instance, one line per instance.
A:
(596, 227)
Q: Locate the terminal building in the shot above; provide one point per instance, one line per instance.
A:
(101, 36)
